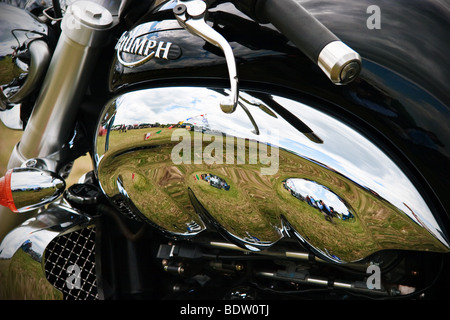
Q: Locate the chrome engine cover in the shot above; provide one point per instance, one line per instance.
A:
(274, 168)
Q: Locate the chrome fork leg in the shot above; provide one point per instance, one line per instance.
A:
(85, 29)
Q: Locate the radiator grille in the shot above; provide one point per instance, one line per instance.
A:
(70, 265)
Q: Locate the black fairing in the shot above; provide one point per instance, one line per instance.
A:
(400, 100)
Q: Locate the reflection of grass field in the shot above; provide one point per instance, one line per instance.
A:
(6, 68)
(22, 278)
(247, 208)
(119, 140)
(254, 203)
(349, 236)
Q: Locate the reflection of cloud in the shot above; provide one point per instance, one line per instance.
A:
(318, 192)
(183, 104)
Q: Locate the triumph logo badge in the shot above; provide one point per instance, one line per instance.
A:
(145, 48)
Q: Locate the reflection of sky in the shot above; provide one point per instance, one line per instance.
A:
(343, 149)
(183, 105)
(318, 192)
(11, 118)
(32, 179)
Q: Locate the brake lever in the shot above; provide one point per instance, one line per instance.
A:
(191, 16)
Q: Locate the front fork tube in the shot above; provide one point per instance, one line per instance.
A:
(85, 30)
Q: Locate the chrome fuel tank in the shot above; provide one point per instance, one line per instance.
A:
(275, 168)
(393, 99)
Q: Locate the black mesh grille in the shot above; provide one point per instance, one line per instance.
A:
(70, 265)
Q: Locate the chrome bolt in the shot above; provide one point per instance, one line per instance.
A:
(31, 163)
(93, 12)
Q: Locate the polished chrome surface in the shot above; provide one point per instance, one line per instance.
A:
(41, 229)
(31, 76)
(87, 23)
(26, 189)
(319, 197)
(339, 62)
(24, 249)
(39, 60)
(191, 16)
(19, 30)
(52, 120)
(11, 118)
(33, 188)
(155, 149)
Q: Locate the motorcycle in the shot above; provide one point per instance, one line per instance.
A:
(241, 150)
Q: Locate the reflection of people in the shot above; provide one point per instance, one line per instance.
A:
(325, 210)
(347, 216)
(122, 128)
(320, 204)
(311, 201)
(215, 181)
(334, 213)
(26, 246)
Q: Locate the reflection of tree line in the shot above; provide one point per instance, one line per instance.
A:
(125, 127)
(328, 211)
